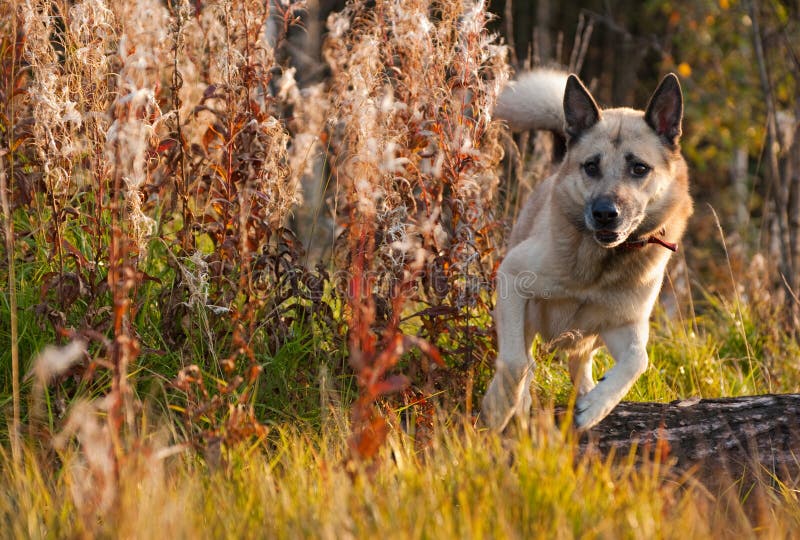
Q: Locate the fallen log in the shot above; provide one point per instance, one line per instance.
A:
(731, 434)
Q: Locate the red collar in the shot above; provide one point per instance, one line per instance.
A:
(653, 239)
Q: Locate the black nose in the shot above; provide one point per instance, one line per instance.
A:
(604, 212)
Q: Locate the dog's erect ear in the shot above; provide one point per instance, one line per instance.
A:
(580, 110)
(665, 110)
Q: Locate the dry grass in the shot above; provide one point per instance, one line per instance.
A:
(466, 485)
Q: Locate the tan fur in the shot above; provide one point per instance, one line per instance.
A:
(560, 282)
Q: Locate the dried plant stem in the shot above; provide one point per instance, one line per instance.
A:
(181, 181)
(12, 279)
(116, 280)
(737, 298)
(12, 299)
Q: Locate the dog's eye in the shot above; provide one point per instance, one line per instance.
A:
(592, 169)
(639, 170)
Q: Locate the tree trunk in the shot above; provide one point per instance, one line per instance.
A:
(544, 39)
(728, 434)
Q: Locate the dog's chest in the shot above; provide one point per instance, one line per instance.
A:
(591, 311)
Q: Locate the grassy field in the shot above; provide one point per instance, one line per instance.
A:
(299, 478)
(465, 484)
(246, 295)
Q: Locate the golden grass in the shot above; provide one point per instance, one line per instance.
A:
(467, 484)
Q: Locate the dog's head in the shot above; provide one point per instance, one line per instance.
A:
(622, 165)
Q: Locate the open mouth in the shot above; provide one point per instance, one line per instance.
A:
(606, 237)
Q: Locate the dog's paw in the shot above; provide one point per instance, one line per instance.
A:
(591, 408)
(499, 405)
(495, 413)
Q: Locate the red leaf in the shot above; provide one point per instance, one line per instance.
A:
(166, 145)
(208, 137)
(369, 441)
(391, 385)
(74, 252)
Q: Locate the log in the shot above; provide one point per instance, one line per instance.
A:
(731, 434)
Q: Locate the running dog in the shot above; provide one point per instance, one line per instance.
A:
(588, 252)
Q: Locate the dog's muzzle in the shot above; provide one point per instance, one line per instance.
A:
(603, 217)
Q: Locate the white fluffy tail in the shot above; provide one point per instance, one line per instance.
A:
(534, 101)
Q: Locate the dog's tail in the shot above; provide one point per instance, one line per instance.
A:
(534, 101)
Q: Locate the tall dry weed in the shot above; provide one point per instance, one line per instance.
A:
(89, 100)
(165, 149)
(10, 80)
(67, 97)
(158, 157)
(415, 163)
(229, 178)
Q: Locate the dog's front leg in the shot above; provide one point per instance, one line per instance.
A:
(504, 396)
(628, 347)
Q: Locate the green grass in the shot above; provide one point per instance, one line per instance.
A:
(718, 354)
